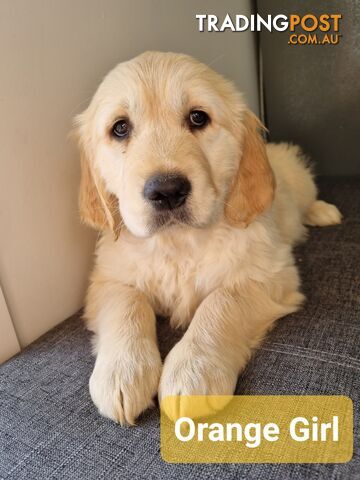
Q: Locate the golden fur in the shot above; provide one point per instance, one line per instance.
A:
(254, 184)
(225, 271)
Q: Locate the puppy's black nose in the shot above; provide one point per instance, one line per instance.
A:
(166, 192)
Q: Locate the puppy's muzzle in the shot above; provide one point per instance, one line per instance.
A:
(167, 192)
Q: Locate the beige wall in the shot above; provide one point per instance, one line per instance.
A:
(9, 344)
(53, 55)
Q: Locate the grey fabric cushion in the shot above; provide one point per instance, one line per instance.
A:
(50, 429)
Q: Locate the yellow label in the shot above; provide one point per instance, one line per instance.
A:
(256, 429)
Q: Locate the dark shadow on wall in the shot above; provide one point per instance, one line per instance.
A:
(312, 92)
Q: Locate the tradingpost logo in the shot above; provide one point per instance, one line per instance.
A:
(309, 29)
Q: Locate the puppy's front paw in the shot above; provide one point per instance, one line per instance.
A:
(124, 382)
(188, 370)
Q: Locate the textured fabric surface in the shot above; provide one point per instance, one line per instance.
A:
(50, 429)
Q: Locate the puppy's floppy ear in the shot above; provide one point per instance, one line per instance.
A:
(98, 208)
(253, 187)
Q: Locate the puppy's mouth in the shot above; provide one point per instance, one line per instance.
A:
(170, 218)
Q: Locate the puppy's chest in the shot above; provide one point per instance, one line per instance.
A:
(176, 274)
(172, 282)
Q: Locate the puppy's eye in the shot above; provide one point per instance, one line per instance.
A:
(121, 129)
(198, 119)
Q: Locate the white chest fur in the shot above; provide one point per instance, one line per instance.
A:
(178, 268)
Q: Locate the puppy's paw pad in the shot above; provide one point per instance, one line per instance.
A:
(321, 214)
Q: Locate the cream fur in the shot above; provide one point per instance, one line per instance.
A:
(226, 282)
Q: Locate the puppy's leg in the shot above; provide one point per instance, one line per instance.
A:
(128, 365)
(217, 345)
(294, 174)
(321, 214)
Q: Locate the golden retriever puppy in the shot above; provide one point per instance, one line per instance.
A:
(198, 217)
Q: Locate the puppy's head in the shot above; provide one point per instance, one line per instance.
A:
(168, 142)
